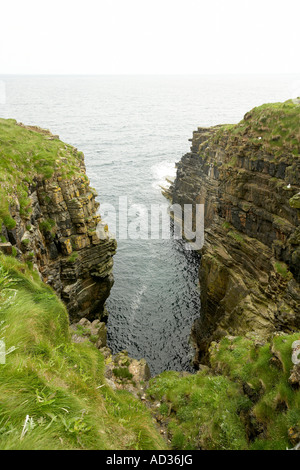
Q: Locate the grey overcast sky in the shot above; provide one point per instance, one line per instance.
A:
(149, 37)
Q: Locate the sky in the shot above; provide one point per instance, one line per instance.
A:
(149, 37)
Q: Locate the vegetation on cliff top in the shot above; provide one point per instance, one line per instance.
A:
(25, 153)
(53, 393)
(273, 128)
(244, 401)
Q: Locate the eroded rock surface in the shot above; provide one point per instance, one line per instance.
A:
(247, 177)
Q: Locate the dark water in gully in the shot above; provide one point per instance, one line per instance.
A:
(132, 129)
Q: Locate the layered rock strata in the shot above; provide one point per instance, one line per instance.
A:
(247, 177)
(58, 234)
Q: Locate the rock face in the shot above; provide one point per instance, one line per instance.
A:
(58, 236)
(124, 373)
(294, 378)
(84, 330)
(247, 177)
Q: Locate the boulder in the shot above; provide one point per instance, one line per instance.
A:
(140, 370)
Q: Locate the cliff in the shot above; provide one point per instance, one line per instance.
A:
(48, 217)
(247, 177)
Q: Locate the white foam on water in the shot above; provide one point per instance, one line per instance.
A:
(161, 172)
(136, 302)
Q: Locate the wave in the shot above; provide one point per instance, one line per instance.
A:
(162, 172)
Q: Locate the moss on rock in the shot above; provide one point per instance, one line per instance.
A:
(295, 201)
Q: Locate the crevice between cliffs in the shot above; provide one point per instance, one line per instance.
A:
(247, 177)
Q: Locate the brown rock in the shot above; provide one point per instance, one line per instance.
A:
(140, 370)
(6, 248)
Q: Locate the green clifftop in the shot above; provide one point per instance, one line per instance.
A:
(26, 153)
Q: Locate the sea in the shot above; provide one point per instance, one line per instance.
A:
(132, 130)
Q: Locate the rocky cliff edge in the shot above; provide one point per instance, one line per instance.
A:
(48, 217)
(247, 177)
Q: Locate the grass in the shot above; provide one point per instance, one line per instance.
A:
(226, 225)
(26, 153)
(283, 270)
(73, 257)
(204, 410)
(232, 233)
(273, 128)
(122, 373)
(236, 236)
(53, 393)
(243, 402)
(46, 226)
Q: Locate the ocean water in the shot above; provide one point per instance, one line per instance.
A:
(132, 130)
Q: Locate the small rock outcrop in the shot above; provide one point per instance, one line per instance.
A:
(121, 371)
(94, 331)
(247, 177)
(126, 373)
(294, 378)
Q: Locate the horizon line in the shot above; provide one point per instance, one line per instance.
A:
(216, 74)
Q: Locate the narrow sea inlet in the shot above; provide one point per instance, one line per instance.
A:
(132, 130)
